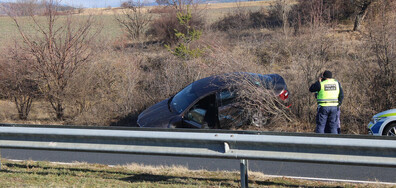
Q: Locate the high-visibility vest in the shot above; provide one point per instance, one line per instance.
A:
(329, 92)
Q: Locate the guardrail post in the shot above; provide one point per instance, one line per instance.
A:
(244, 173)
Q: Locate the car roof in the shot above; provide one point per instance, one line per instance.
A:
(219, 82)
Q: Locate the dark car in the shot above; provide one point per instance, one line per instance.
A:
(207, 103)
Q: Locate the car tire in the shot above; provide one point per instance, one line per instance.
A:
(258, 120)
(390, 130)
(205, 126)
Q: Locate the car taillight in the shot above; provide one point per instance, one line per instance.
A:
(284, 94)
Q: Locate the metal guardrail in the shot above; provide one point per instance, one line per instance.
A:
(355, 150)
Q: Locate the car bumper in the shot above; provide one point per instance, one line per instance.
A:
(374, 129)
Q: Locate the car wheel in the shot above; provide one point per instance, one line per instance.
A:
(205, 126)
(390, 130)
(258, 120)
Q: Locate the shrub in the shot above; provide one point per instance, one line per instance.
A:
(233, 21)
(108, 92)
(167, 25)
(18, 81)
(183, 49)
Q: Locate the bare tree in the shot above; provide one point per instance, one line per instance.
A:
(18, 83)
(59, 48)
(134, 19)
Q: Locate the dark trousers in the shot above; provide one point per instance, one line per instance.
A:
(326, 120)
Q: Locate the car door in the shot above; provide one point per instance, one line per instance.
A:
(230, 114)
(202, 114)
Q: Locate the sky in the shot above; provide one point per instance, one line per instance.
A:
(88, 3)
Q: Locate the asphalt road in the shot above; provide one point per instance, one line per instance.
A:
(359, 173)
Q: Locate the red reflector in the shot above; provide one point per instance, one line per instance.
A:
(284, 94)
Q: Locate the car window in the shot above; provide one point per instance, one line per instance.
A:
(183, 99)
(197, 115)
(226, 97)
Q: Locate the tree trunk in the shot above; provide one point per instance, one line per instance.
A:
(23, 104)
(58, 106)
(361, 15)
(59, 111)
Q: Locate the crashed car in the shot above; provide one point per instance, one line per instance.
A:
(208, 102)
(383, 123)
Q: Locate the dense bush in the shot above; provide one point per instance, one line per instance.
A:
(164, 27)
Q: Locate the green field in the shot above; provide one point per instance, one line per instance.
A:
(7, 30)
(110, 29)
(38, 174)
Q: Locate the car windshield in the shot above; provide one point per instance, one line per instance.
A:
(184, 98)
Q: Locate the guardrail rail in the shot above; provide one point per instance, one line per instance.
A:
(243, 145)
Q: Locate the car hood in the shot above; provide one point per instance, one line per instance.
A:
(157, 115)
(387, 113)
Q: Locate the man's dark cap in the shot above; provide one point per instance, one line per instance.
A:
(327, 74)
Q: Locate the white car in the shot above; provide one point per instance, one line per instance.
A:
(383, 123)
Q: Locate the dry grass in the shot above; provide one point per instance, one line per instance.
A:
(38, 174)
(40, 114)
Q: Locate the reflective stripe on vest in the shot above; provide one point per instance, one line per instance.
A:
(329, 92)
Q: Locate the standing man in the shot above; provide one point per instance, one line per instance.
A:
(329, 97)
